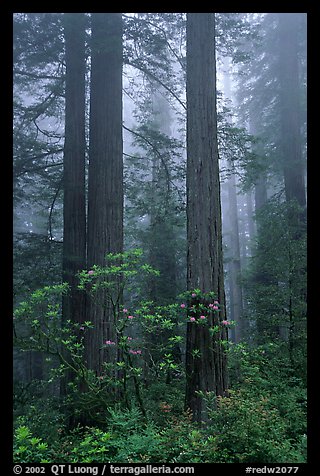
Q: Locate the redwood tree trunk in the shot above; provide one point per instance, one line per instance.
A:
(105, 187)
(293, 168)
(205, 359)
(236, 300)
(74, 205)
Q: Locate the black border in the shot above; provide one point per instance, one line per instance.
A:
(313, 212)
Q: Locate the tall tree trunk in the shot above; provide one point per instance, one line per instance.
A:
(236, 301)
(250, 221)
(162, 249)
(260, 188)
(292, 159)
(105, 187)
(74, 205)
(205, 359)
(288, 25)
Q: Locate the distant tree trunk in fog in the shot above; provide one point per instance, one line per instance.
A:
(205, 358)
(262, 278)
(260, 193)
(291, 148)
(105, 186)
(162, 253)
(251, 224)
(74, 205)
(293, 168)
(260, 189)
(236, 300)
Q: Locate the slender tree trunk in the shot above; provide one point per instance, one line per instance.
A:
(205, 359)
(260, 189)
(235, 264)
(74, 206)
(250, 221)
(105, 187)
(260, 194)
(236, 301)
(162, 249)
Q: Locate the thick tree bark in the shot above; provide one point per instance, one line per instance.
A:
(205, 368)
(105, 187)
(74, 207)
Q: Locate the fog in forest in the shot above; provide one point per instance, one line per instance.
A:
(160, 164)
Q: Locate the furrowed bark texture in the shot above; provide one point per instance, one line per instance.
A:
(105, 188)
(74, 205)
(206, 369)
(74, 210)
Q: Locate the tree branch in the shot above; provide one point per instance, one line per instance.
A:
(155, 78)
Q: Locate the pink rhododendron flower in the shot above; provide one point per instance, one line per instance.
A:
(192, 319)
(129, 338)
(202, 317)
(183, 306)
(91, 272)
(215, 308)
(130, 317)
(193, 294)
(81, 328)
(109, 342)
(165, 407)
(215, 302)
(211, 305)
(225, 323)
(135, 352)
(125, 310)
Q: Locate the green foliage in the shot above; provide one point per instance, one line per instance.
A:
(94, 446)
(265, 414)
(29, 449)
(249, 428)
(276, 281)
(36, 409)
(262, 420)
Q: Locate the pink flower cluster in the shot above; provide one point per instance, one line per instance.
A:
(135, 352)
(109, 342)
(91, 272)
(165, 407)
(226, 323)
